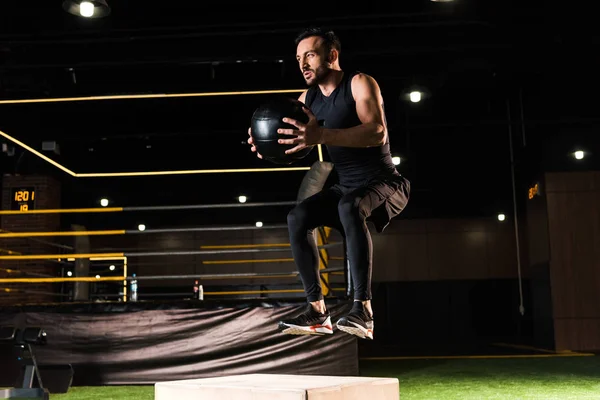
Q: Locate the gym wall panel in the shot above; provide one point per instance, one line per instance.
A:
(574, 239)
(427, 250)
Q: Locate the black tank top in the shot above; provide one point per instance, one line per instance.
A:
(354, 166)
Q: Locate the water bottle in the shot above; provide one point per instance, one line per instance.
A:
(198, 291)
(134, 289)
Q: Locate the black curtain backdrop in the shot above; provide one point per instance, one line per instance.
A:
(144, 343)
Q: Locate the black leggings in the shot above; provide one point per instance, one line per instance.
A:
(346, 210)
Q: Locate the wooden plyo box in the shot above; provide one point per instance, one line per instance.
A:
(279, 387)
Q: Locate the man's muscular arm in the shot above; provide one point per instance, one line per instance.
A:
(371, 132)
(369, 107)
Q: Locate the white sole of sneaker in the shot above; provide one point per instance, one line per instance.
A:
(320, 330)
(356, 330)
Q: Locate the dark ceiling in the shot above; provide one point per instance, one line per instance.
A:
(476, 60)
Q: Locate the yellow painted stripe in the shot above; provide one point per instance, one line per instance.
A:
(143, 173)
(187, 172)
(253, 277)
(37, 153)
(149, 96)
(254, 292)
(245, 246)
(54, 280)
(58, 256)
(523, 347)
(323, 260)
(63, 210)
(70, 233)
(248, 261)
(122, 258)
(478, 357)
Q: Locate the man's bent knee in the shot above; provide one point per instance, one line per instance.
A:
(297, 218)
(349, 208)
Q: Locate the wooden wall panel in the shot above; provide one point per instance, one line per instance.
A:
(457, 255)
(578, 334)
(445, 249)
(399, 253)
(402, 259)
(501, 252)
(574, 236)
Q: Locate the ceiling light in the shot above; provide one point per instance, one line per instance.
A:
(579, 154)
(415, 96)
(415, 93)
(87, 8)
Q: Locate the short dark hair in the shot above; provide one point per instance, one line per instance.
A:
(330, 39)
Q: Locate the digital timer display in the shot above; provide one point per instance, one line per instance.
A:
(23, 199)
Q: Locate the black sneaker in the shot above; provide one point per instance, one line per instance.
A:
(309, 322)
(358, 322)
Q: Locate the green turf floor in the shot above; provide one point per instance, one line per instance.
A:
(551, 378)
(493, 379)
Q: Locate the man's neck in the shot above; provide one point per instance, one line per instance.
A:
(331, 82)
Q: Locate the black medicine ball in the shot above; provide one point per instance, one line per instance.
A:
(267, 119)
